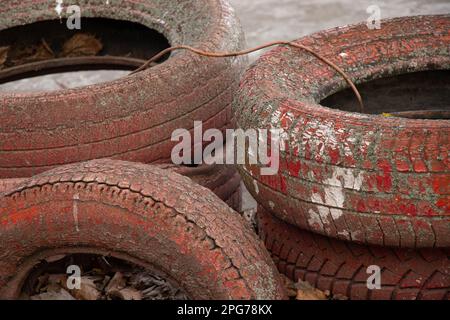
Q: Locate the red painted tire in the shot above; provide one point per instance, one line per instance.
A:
(341, 266)
(151, 217)
(365, 178)
(130, 118)
(223, 180)
(8, 184)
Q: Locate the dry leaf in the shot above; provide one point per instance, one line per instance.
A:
(59, 279)
(88, 290)
(3, 55)
(125, 294)
(42, 281)
(117, 282)
(35, 53)
(60, 294)
(290, 287)
(306, 292)
(154, 287)
(81, 44)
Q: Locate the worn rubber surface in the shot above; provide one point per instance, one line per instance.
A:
(365, 178)
(235, 199)
(130, 118)
(8, 184)
(155, 217)
(223, 180)
(341, 266)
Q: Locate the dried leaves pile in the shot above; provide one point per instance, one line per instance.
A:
(79, 45)
(105, 280)
(139, 285)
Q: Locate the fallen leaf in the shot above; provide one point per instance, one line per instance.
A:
(59, 279)
(154, 287)
(125, 294)
(306, 292)
(117, 282)
(339, 297)
(387, 115)
(290, 287)
(41, 282)
(88, 290)
(3, 55)
(39, 52)
(60, 294)
(104, 283)
(51, 287)
(81, 44)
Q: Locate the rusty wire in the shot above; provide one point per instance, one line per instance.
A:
(155, 58)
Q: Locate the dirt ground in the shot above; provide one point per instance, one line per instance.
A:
(263, 21)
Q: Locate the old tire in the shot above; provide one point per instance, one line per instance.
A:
(341, 267)
(154, 218)
(223, 180)
(8, 184)
(365, 178)
(130, 118)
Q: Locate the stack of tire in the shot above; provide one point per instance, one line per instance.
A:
(357, 191)
(53, 203)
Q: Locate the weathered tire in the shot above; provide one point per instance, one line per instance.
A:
(8, 184)
(341, 266)
(359, 177)
(235, 199)
(130, 118)
(223, 180)
(152, 217)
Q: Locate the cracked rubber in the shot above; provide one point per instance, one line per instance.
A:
(131, 118)
(341, 266)
(156, 217)
(359, 177)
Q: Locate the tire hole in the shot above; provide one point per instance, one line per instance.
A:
(47, 56)
(418, 95)
(101, 278)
